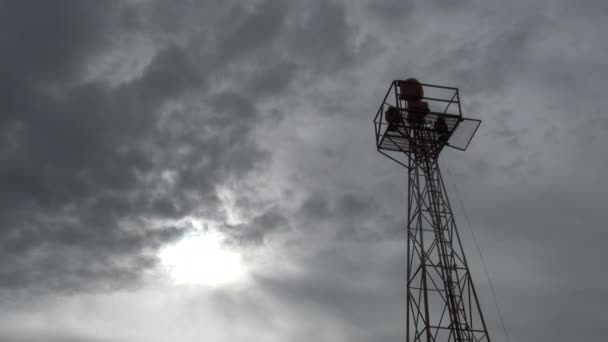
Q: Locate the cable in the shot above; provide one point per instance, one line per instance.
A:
(483, 262)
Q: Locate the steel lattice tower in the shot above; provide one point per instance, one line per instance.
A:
(413, 125)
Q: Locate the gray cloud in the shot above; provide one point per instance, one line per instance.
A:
(258, 228)
(90, 161)
(118, 120)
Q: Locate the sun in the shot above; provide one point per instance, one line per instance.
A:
(202, 258)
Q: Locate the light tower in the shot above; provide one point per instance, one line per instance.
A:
(413, 124)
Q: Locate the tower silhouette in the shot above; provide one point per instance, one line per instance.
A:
(413, 125)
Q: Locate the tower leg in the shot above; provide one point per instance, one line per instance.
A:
(442, 302)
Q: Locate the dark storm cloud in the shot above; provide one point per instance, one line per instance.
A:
(390, 10)
(50, 42)
(58, 338)
(256, 33)
(88, 164)
(351, 216)
(258, 228)
(94, 170)
(87, 158)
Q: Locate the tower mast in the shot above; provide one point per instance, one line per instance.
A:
(413, 125)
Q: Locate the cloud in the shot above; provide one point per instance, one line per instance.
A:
(119, 122)
(91, 163)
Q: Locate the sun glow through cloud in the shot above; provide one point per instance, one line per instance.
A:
(202, 258)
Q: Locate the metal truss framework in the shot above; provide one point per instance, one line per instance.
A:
(442, 304)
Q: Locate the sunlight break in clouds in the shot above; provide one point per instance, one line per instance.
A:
(202, 258)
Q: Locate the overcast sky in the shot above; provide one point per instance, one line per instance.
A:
(129, 127)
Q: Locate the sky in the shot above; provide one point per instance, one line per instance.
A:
(206, 170)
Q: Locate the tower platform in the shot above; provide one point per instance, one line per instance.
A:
(428, 120)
